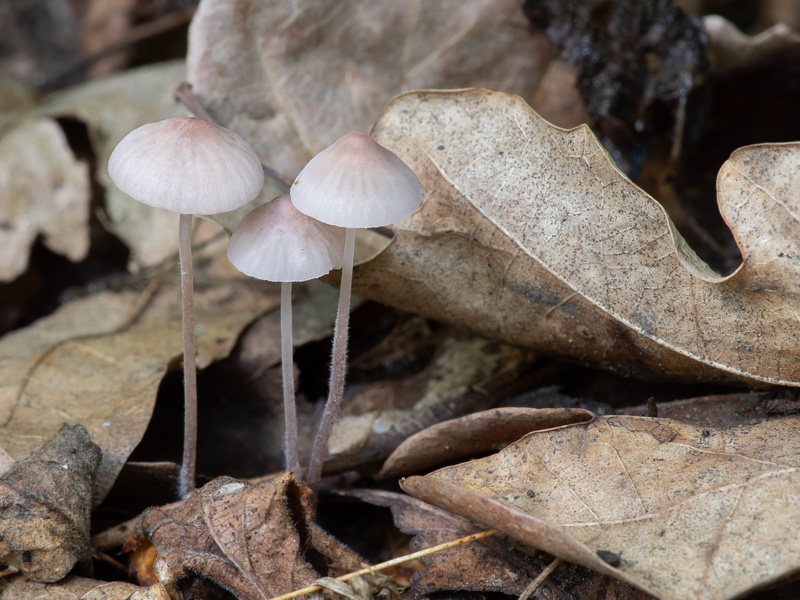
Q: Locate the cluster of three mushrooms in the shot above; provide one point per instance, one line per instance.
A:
(353, 184)
(191, 166)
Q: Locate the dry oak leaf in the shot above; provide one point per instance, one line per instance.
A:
(529, 234)
(45, 504)
(702, 514)
(257, 541)
(80, 588)
(99, 360)
(44, 190)
(292, 77)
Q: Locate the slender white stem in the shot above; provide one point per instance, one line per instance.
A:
(287, 360)
(189, 362)
(338, 365)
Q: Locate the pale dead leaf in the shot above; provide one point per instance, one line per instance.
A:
(44, 190)
(45, 503)
(99, 361)
(292, 78)
(80, 588)
(529, 234)
(682, 506)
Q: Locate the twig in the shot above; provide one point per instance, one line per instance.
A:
(393, 562)
(534, 585)
(184, 94)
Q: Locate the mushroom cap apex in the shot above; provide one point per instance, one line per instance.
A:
(277, 242)
(356, 182)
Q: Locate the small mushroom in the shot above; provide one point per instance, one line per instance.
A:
(189, 166)
(355, 183)
(277, 242)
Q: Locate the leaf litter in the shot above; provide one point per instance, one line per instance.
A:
(256, 541)
(99, 361)
(529, 234)
(683, 507)
(258, 112)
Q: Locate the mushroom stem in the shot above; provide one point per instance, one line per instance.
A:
(189, 362)
(338, 365)
(289, 408)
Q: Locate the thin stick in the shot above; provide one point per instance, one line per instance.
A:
(185, 94)
(534, 585)
(338, 366)
(289, 408)
(395, 561)
(189, 362)
(10, 570)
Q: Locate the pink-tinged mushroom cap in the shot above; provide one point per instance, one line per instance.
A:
(277, 242)
(356, 182)
(187, 165)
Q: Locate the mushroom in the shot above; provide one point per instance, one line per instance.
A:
(277, 242)
(355, 183)
(189, 166)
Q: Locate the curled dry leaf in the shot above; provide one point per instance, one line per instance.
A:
(82, 588)
(473, 434)
(681, 506)
(45, 503)
(529, 234)
(256, 541)
(44, 190)
(99, 361)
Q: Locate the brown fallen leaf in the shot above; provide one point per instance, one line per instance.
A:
(474, 434)
(45, 503)
(257, 541)
(729, 49)
(82, 588)
(44, 190)
(99, 361)
(264, 69)
(681, 508)
(529, 234)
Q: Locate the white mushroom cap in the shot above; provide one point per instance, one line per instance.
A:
(356, 182)
(277, 242)
(187, 165)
